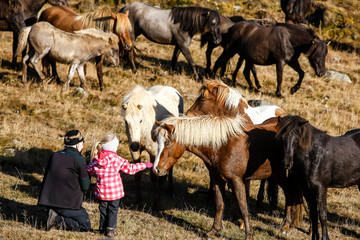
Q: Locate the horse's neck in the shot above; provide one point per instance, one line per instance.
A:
(31, 8)
(203, 153)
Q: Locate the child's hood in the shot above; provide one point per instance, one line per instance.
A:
(104, 158)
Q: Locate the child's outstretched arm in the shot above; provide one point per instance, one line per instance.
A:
(90, 168)
(132, 168)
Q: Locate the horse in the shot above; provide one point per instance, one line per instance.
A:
(232, 150)
(295, 10)
(29, 10)
(46, 40)
(217, 98)
(323, 161)
(67, 20)
(140, 109)
(280, 44)
(11, 12)
(175, 27)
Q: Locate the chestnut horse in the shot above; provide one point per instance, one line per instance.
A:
(67, 20)
(232, 151)
(323, 161)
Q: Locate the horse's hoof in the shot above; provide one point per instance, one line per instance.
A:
(294, 89)
(258, 86)
(278, 95)
(212, 233)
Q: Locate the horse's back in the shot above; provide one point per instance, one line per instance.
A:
(169, 98)
(61, 17)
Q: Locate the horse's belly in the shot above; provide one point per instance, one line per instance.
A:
(263, 171)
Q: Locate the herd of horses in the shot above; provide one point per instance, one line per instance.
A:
(238, 143)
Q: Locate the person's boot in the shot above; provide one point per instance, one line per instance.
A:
(51, 219)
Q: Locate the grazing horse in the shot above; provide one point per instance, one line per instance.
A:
(67, 20)
(175, 27)
(232, 151)
(280, 44)
(295, 10)
(46, 40)
(217, 98)
(322, 160)
(140, 109)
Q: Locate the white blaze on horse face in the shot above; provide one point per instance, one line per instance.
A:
(161, 144)
(134, 127)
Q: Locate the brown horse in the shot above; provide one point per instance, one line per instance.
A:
(295, 10)
(67, 20)
(232, 151)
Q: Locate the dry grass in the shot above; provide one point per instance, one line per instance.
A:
(33, 122)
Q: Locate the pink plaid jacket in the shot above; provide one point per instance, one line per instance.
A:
(106, 166)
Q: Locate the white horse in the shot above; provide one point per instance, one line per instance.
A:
(140, 109)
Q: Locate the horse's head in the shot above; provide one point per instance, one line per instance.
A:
(111, 52)
(14, 15)
(168, 152)
(217, 98)
(292, 132)
(122, 28)
(317, 54)
(58, 2)
(213, 25)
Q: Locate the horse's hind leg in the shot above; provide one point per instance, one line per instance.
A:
(296, 66)
(35, 59)
(174, 59)
(253, 70)
(246, 73)
(24, 69)
(223, 59)
(81, 72)
(185, 50)
(71, 73)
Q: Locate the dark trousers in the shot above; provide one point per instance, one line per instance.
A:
(108, 215)
(73, 219)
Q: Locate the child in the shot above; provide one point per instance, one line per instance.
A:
(109, 189)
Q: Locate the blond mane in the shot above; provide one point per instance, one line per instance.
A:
(202, 130)
(103, 19)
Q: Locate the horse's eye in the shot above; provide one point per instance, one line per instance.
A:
(202, 99)
(168, 143)
(141, 121)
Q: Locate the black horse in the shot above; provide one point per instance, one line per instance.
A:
(175, 27)
(280, 44)
(295, 10)
(11, 12)
(322, 160)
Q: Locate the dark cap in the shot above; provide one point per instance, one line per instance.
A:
(73, 137)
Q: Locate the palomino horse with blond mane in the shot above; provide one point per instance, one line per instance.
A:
(67, 20)
(233, 152)
(140, 109)
(217, 98)
(46, 40)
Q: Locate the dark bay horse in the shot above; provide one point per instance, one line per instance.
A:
(216, 98)
(322, 160)
(67, 20)
(233, 152)
(280, 44)
(11, 12)
(30, 9)
(175, 27)
(295, 10)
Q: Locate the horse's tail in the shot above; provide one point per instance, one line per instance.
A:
(23, 38)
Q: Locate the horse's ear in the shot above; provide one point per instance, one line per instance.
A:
(139, 106)
(328, 43)
(157, 123)
(113, 15)
(124, 106)
(127, 13)
(168, 127)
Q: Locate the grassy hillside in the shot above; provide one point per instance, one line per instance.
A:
(33, 122)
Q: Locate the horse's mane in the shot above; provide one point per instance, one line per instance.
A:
(5, 7)
(297, 126)
(103, 19)
(202, 130)
(140, 96)
(98, 34)
(227, 96)
(192, 19)
(299, 28)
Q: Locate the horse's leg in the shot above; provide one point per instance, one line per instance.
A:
(24, 69)
(296, 66)
(321, 203)
(260, 195)
(71, 73)
(171, 183)
(310, 197)
(240, 192)
(224, 57)
(253, 70)
(185, 50)
(210, 48)
(238, 66)
(174, 59)
(273, 193)
(246, 73)
(35, 59)
(279, 74)
(219, 186)
(14, 47)
(99, 63)
(54, 72)
(81, 72)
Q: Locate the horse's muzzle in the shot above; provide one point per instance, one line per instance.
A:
(127, 46)
(135, 146)
(158, 173)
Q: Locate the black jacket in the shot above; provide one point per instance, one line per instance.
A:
(64, 180)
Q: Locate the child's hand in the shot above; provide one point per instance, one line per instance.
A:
(149, 165)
